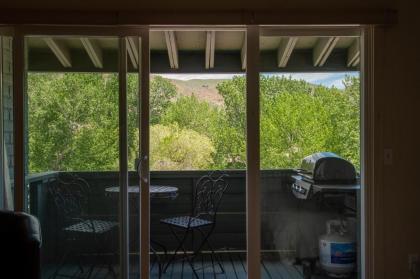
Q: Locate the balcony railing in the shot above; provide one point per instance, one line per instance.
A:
(288, 225)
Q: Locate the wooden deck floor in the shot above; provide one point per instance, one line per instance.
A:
(234, 265)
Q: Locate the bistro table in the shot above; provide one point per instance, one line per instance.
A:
(155, 191)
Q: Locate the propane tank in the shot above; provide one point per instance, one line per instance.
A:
(337, 250)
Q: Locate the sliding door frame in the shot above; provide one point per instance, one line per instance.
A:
(4, 203)
(371, 207)
(2, 162)
(253, 132)
(144, 135)
(367, 210)
(19, 72)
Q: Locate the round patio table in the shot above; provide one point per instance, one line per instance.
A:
(155, 191)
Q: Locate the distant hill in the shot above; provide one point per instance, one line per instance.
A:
(203, 89)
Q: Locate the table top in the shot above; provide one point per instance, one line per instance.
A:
(155, 191)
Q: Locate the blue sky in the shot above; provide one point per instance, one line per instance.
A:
(326, 79)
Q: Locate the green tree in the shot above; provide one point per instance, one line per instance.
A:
(190, 113)
(212, 121)
(293, 125)
(345, 121)
(173, 148)
(73, 119)
(297, 119)
(162, 91)
(73, 122)
(230, 140)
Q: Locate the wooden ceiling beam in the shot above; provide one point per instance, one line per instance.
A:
(172, 49)
(210, 48)
(133, 52)
(323, 49)
(353, 54)
(356, 62)
(94, 52)
(243, 53)
(60, 51)
(285, 50)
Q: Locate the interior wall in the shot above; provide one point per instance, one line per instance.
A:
(397, 122)
(397, 90)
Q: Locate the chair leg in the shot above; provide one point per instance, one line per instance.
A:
(212, 264)
(190, 259)
(217, 257)
(160, 245)
(160, 269)
(69, 250)
(92, 266)
(108, 262)
(156, 261)
(60, 266)
(159, 260)
(180, 244)
(207, 241)
(100, 244)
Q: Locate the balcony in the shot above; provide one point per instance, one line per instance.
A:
(289, 227)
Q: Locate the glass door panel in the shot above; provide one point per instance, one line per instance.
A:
(138, 184)
(72, 152)
(197, 157)
(310, 103)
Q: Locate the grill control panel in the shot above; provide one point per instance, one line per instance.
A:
(301, 189)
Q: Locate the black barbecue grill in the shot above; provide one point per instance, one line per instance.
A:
(324, 171)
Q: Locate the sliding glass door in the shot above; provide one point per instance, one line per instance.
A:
(128, 171)
(79, 130)
(310, 112)
(71, 139)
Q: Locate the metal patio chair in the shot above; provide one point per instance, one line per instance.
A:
(208, 194)
(79, 229)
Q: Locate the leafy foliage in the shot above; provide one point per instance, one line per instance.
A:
(191, 113)
(173, 148)
(73, 123)
(73, 119)
(297, 119)
(162, 91)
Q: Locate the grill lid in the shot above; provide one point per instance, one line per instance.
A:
(327, 168)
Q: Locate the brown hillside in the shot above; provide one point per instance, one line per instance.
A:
(203, 89)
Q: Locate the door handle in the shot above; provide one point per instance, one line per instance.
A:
(137, 164)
